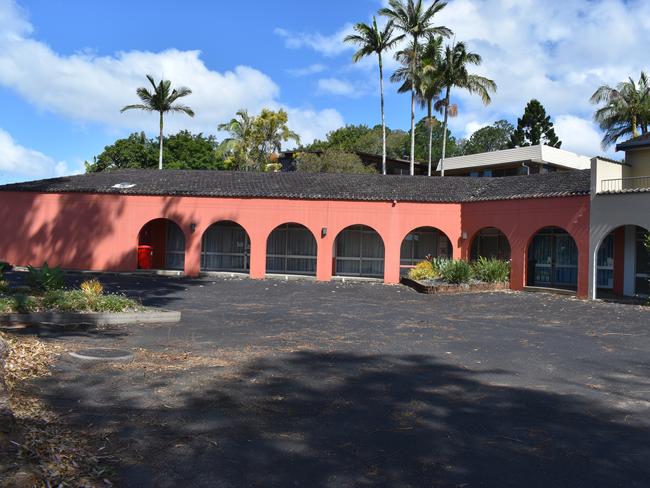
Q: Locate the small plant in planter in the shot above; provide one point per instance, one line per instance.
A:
(456, 272)
(45, 279)
(490, 270)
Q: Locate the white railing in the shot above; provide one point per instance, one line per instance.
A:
(625, 184)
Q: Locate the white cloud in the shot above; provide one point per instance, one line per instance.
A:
(579, 135)
(90, 88)
(337, 86)
(20, 161)
(558, 51)
(312, 69)
(329, 46)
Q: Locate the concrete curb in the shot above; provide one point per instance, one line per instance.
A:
(150, 316)
(449, 289)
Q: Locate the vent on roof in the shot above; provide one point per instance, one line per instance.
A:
(123, 186)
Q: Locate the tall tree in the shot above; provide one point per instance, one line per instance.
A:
(534, 127)
(331, 161)
(490, 138)
(626, 109)
(454, 72)
(373, 40)
(161, 100)
(253, 139)
(425, 79)
(413, 19)
(241, 138)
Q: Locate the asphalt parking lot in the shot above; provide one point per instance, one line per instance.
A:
(274, 383)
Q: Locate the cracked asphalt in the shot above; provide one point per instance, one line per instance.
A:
(298, 383)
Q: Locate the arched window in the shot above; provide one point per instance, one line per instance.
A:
(553, 259)
(490, 242)
(423, 242)
(225, 246)
(359, 251)
(291, 249)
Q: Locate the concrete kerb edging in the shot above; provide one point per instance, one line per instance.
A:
(150, 316)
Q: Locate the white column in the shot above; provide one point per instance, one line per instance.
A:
(629, 279)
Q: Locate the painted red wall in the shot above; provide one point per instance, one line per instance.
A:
(520, 220)
(100, 232)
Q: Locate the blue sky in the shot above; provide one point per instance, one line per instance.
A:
(67, 67)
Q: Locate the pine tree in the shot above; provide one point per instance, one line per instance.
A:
(535, 127)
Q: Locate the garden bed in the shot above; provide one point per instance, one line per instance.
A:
(434, 287)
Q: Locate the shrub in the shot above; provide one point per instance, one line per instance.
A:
(45, 279)
(456, 272)
(423, 271)
(4, 267)
(490, 270)
(4, 286)
(23, 303)
(92, 288)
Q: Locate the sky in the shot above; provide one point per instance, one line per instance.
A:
(68, 66)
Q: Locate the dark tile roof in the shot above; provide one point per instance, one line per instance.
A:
(308, 186)
(634, 143)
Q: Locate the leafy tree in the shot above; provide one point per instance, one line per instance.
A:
(425, 132)
(415, 20)
(161, 100)
(429, 85)
(344, 138)
(192, 151)
(331, 161)
(254, 139)
(136, 151)
(373, 40)
(626, 109)
(181, 151)
(490, 138)
(535, 127)
(453, 72)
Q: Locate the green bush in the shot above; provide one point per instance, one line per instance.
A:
(4, 267)
(4, 286)
(45, 279)
(490, 270)
(423, 270)
(456, 271)
(23, 303)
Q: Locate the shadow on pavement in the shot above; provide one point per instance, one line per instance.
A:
(322, 419)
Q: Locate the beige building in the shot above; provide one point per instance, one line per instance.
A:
(511, 162)
(619, 221)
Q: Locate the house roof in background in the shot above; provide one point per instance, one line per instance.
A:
(313, 186)
(634, 143)
(529, 154)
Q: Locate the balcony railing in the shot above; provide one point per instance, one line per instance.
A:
(625, 184)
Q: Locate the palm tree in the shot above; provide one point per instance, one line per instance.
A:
(429, 86)
(626, 109)
(452, 73)
(373, 40)
(415, 20)
(161, 100)
(241, 131)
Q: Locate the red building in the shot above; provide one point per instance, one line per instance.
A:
(323, 225)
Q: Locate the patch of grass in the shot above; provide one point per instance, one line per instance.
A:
(68, 301)
(490, 270)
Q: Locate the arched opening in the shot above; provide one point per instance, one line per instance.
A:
(291, 249)
(359, 251)
(225, 246)
(423, 242)
(490, 243)
(553, 259)
(623, 263)
(161, 245)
